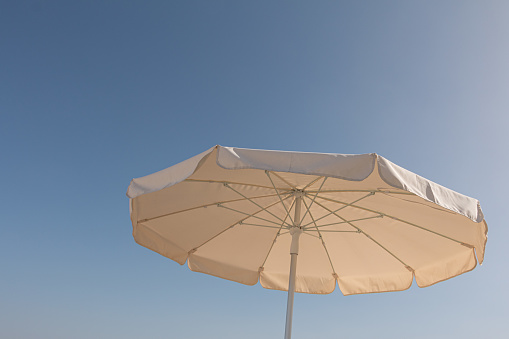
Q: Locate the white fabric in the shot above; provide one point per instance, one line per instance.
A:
(399, 177)
(343, 166)
(220, 212)
(166, 177)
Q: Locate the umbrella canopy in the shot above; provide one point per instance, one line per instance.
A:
(356, 221)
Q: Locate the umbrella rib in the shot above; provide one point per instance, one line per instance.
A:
(234, 183)
(311, 235)
(370, 238)
(275, 237)
(344, 222)
(439, 208)
(312, 201)
(339, 209)
(233, 225)
(283, 180)
(356, 191)
(332, 231)
(428, 230)
(320, 236)
(242, 195)
(401, 220)
(312, 182)
(253, 216)
(256, 225)
(272, 182)
(203, 206)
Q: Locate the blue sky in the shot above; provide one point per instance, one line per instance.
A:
(94, 93)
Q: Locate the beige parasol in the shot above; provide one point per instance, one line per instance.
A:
(356, 220)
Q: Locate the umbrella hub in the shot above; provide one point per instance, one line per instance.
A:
(298, 193)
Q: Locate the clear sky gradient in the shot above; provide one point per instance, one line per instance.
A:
(94, 93)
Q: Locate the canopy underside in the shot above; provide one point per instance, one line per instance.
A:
(362, 233)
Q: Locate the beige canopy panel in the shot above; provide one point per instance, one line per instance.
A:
(366, 223)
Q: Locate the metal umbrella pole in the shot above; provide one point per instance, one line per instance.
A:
(295, 231)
